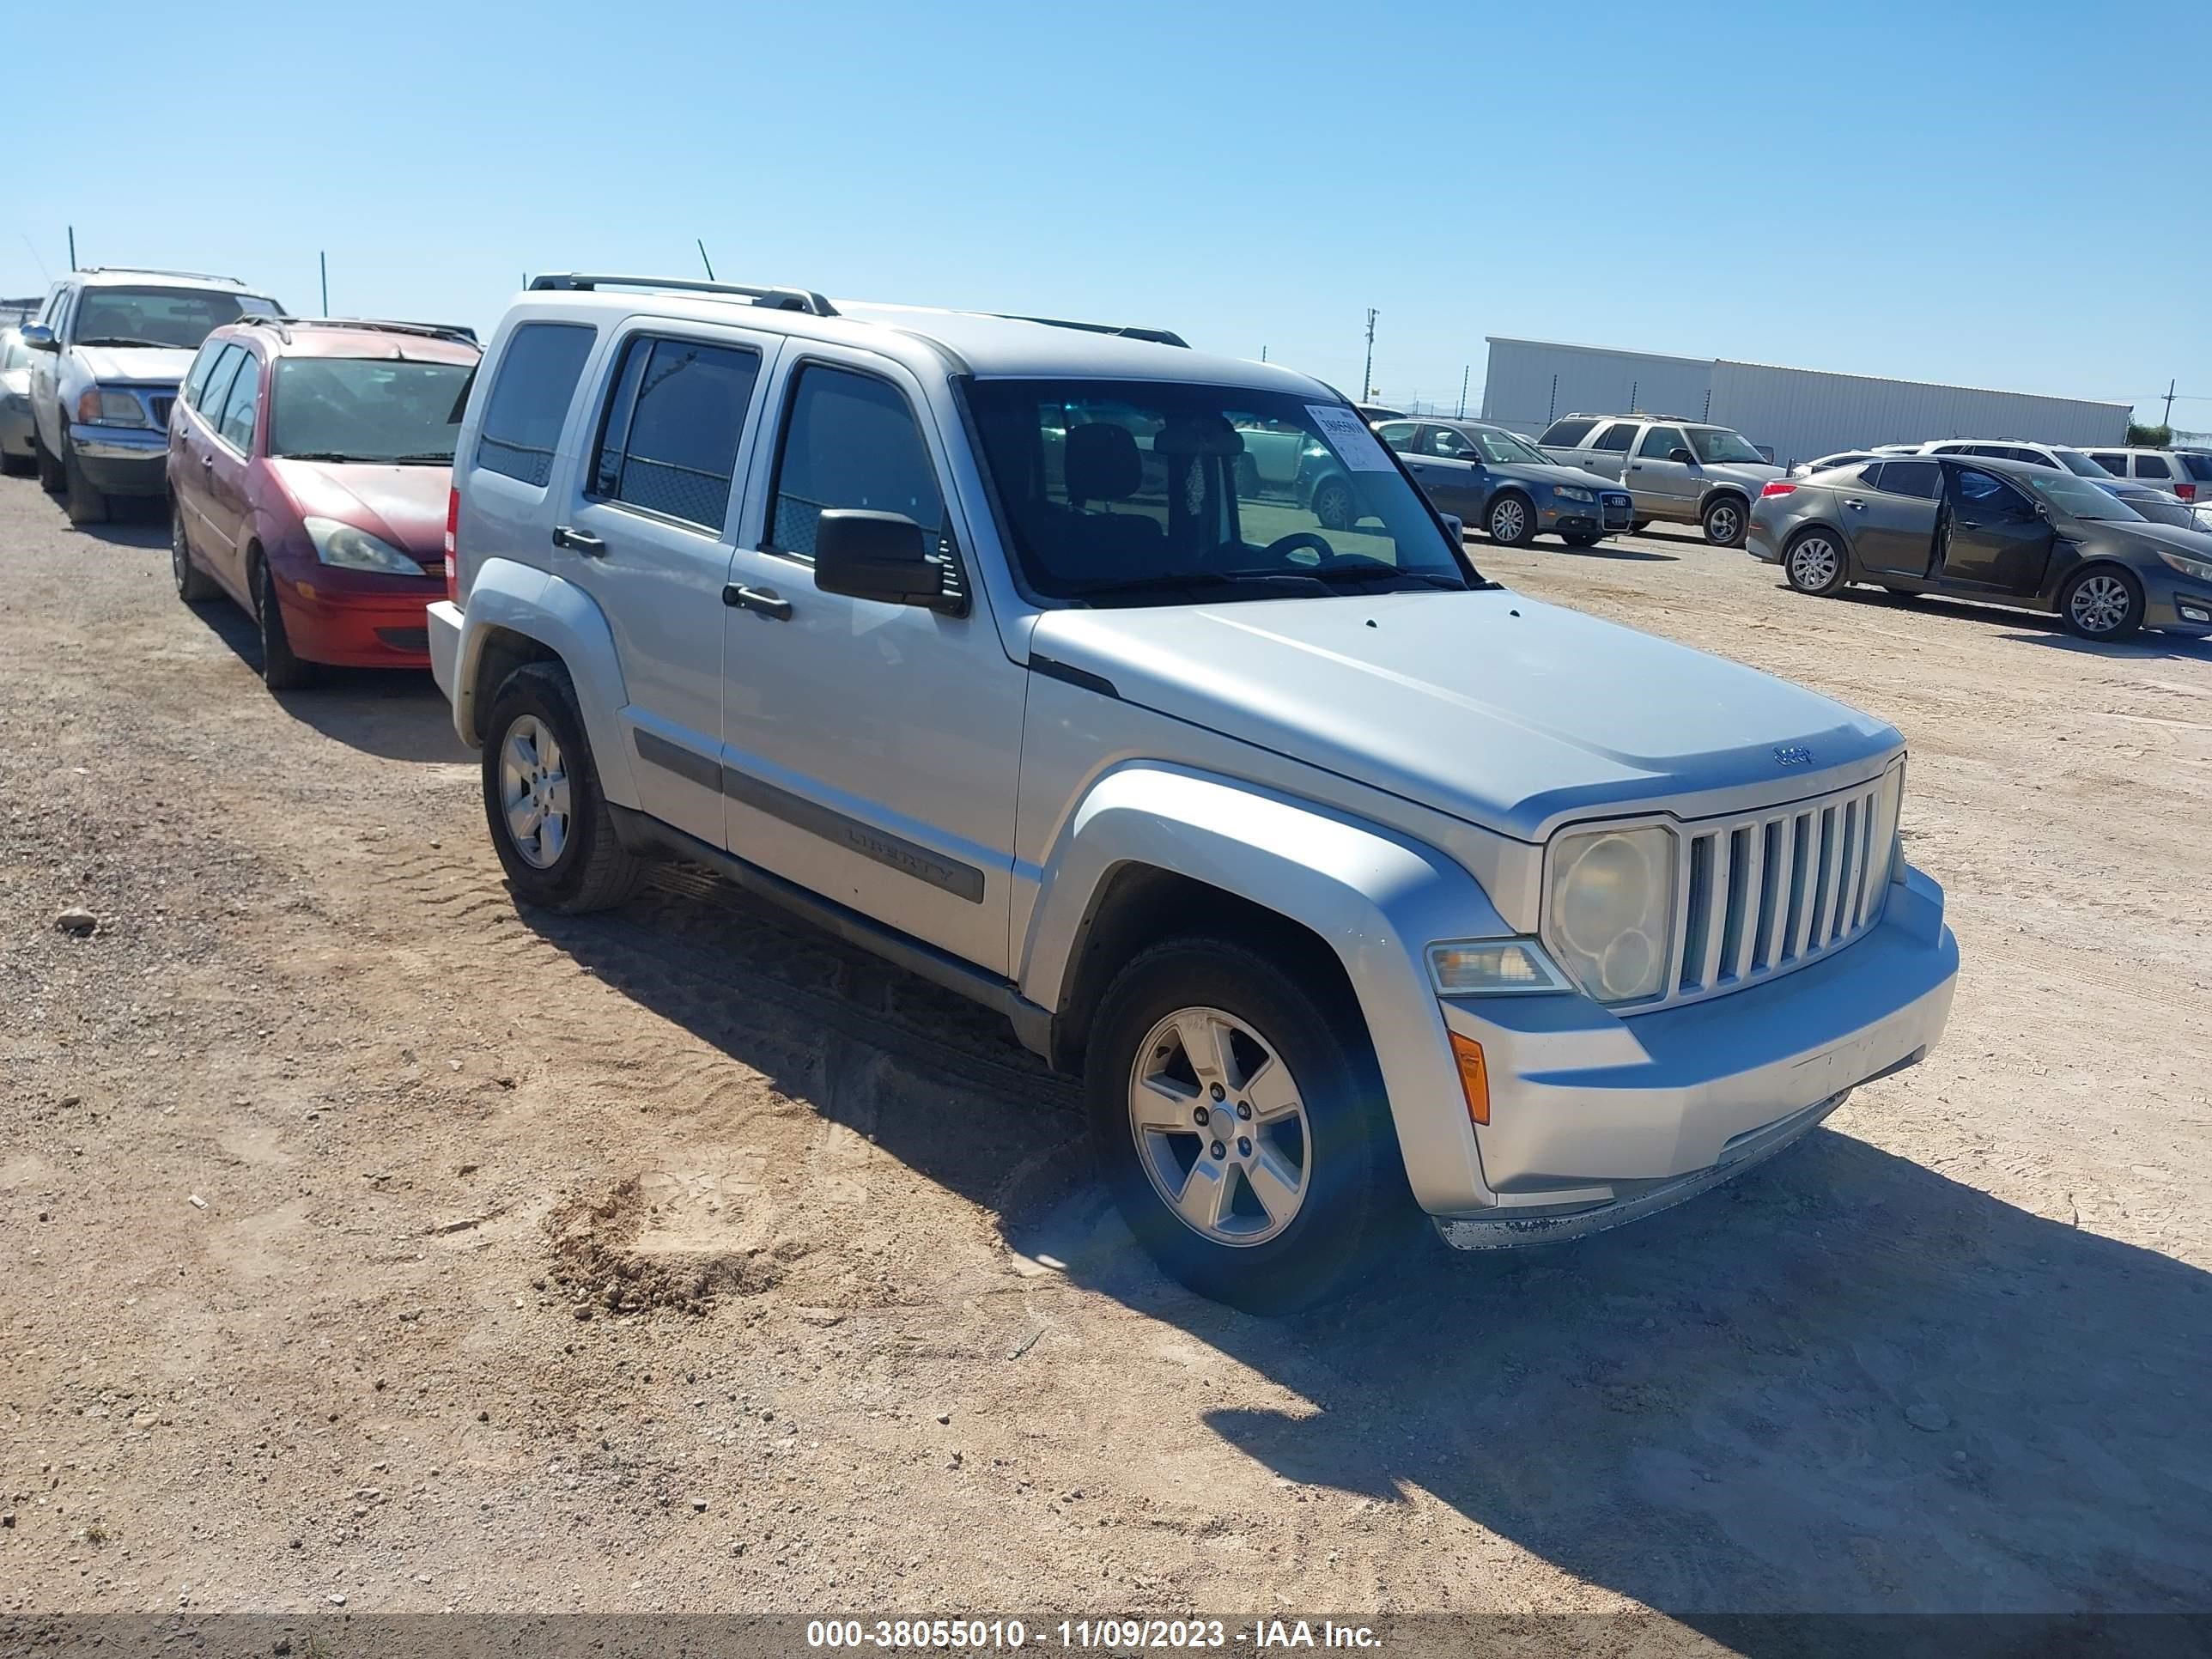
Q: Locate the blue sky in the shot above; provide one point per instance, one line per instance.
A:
(2016, 195)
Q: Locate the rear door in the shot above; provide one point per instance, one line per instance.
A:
(191, 442)
(1659, 482)
(228, 458)
(2156, 471)
(647, 532)
(1607, 451)
(1993, 539)
(1889, 516)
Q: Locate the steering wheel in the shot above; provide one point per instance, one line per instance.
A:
(1297, 539)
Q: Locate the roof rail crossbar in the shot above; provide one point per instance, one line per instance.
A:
(376, 325)
(1127, 331)
(777, 299)
(154, 270)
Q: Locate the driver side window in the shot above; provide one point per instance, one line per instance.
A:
(1453, 445)
(1985, 491)
(1660, 442)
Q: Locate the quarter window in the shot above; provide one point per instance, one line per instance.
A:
(1616, 437)
(850, 441)
(244, 406)
(2148, 466)
(1660, 443)
(1567, 435)
(529, 399)
(669, 443)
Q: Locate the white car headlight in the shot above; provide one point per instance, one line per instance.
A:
(1492, 967)
(1609, 910)
(98, 406)
(2199, 569)
(353, 549)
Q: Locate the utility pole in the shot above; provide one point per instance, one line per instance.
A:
(1263, 353)
(1367, 374)
(72, 231)
(2170, 385)
(324, 261)
(1465, 370)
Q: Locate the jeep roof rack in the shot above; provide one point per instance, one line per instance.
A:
(1127, 331)
(778, 298)
(154, 270)
(284, 325)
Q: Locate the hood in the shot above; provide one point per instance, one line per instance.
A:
(1529, 472)
(2190, 543)
(1489, 706)
(404, 506)
(1742, 473)
(136, 365)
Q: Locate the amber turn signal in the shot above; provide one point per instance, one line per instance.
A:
(1474, 1077)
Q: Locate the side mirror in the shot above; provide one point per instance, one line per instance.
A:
(38, 338)
(1683, 456)
(875, 555)
(1454, 527)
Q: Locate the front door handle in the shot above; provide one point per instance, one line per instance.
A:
(578, 541)
(1853, 500)
(761, 601)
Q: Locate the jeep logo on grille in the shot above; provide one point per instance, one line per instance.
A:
(1792, 754)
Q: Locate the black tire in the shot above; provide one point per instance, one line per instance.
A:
(50, 470)
(1639, 527)
(1583, 538)
(592, 869)
(1727, 520)
(1817, 563)
(194, 584)
(1510, 518)
(15, 466)
(1335, 504)
(281, 668)
(82, 502)
(2102, 602)
(1355, 1206)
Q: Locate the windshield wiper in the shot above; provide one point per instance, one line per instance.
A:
(127, 340)
(427, 457)
(319, 455)
(1183, 580)
(1362, 573)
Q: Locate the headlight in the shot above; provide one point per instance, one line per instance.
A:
(97, 405)
(1572, 493)
(344, 545)
(2197, 570)
(1492, 967)
(1609, 910)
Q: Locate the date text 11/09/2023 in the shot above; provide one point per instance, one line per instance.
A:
(1103, 1635)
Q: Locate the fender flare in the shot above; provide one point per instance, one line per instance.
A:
(567, 621)
(1706, 501)
(1376, 898)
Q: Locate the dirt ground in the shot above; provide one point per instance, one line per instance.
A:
(367, 1238)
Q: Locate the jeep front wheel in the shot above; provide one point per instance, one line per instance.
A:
(1241, 1126)
(550, 824)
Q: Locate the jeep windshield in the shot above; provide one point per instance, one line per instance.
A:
(178, 317)
(1718, 446)
(1145, 492)
(365, 408)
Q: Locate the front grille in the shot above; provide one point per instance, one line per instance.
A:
(404, 638)
(161, 403)
(1617, 512)
(1760, 894)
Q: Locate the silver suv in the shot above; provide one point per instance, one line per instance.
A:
(1690, 471)
(108, 349)
(1354, 886)
(2185, 474)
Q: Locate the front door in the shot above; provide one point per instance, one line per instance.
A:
(1993, 538)
(648, 534)
(871, 751)
(1660, 482)
(1451, 469)
(1890, 516)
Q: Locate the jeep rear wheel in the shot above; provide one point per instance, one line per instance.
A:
(1241, 1127)
(550, 823)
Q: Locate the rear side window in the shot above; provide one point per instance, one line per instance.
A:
(1617, 437)
(849, 441)
(1567, 435)
(210, 402)
(669, 441)
(529, 399)
(1920, 479)
(2199, 466)
(244, 406)
(2150, 466)
(2115, 464)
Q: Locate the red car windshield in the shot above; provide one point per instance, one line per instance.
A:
(367, 410)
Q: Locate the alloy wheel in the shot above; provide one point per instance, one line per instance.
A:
(534, 792)
(1813, 563)
(1723, 524)
(1220, 1128)
(2101, 602)
(1508, 520)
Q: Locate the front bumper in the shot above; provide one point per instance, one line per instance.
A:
(122, 460)
(382, 627)
(1610, 513)
(2177, 605)
(1596, 1120)
(1758, 541)
(443, 620)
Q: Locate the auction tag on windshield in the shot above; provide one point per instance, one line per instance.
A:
(1350, 437)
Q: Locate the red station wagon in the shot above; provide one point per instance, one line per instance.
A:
(309, 467)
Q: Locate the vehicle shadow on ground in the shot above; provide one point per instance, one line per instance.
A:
(396, 714)
(2030, 627)
(1844, 1383)
(142, 524)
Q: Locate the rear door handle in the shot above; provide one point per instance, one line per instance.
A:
(207, 461)
(578, 541)
(761, 601)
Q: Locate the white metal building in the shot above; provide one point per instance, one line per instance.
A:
(1798, 413)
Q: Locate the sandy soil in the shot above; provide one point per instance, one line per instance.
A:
(368, 1238)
